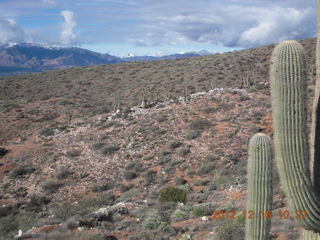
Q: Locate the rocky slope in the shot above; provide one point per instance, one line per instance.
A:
(80, 162)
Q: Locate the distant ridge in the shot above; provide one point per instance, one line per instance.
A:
(29, 57)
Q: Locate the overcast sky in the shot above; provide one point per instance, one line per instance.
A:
(156, 27)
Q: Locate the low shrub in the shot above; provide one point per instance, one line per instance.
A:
(21, 171)
(184, 151)
(51, 186)
(230, 230)
(3, 151)
(192, 134)
(101, 187)
(200, 124)
(73, 153)
(172, 194)
(206, 168)
(109, 149)
(152, 222)
(174, 144)
(201, 210)
(130, 174)
(179, 215)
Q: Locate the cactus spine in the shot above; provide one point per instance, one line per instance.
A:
(259, 186)
(289, 109)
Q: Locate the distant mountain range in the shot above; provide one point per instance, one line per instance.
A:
(27, 58)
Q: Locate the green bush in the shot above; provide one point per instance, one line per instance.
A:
(152, 222)
(231, 230)
(172, 194)
(179, 215)
(201, 210)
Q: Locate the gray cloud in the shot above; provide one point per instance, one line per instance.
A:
(234, 25)
(10, 31)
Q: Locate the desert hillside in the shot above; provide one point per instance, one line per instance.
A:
(82, 159)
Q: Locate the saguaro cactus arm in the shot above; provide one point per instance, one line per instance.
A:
(288, 91)
(259, 187)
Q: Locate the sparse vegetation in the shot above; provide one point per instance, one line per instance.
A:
(51, 186)
(109, 149)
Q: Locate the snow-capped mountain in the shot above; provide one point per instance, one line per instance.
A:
(19, 58)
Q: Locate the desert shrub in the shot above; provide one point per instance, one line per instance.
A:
(201, 210)
(183, 151)
(174, 144)
(161, 117)
(152, 222)
(164, 152)
(109, 149)
(63, 173)
(3, 151)
(211, 157)
(149, 176)
(51, 186)
(179, 215)
(201, 182)
(221, 180)
(73, 153)
(180, 181)
(106, 199)
(130, 174)
(129, 194)
(21, 171)
(48, 131)
(244, 98)
(166, 209)
(124, 188)
(135, 165)
(98, 145)
(192, 134)
(206, 168)
(101, 187)
(36, 202)
(200, 124)
(173, 194)
(230, 230)
(8, 226)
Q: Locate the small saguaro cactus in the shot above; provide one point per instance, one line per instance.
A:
(289, 110)
(259, 200)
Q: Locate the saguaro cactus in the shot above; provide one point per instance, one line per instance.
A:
(259, 199)
(289, 109)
